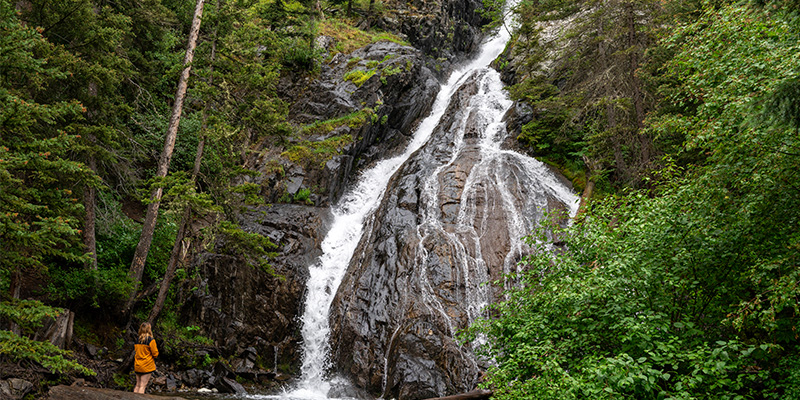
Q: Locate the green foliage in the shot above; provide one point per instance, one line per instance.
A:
(88, 287)
(28, 314)
(320, 152)
(253, 248)
(122, 381)
(689, 289)
(584, 87)
(19, 348)
(638, 307)
(302, 196)
(493, 10)
(38, 211)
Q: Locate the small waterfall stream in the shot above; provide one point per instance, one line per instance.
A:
(356, 209)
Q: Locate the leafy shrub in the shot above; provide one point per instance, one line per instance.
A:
(89, 288)
(303, 195)
(19, 348)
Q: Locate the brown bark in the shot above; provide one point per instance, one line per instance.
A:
(636, 84)
(146, 238)
(588, 190)
(90, 202)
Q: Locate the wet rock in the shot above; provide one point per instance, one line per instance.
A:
(400, 94)
(450, 221)
(194, 377)
(445, 30)
(171, 383)
(232, 291)
(227, 385)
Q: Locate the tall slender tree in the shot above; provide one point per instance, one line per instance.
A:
(181, 245)
(146, 238)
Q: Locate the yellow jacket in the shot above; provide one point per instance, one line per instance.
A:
(145, 351)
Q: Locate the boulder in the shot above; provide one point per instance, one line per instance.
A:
(14, 388)
(227, 385)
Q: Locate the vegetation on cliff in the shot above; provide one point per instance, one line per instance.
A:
(85, 92)
(688, 286)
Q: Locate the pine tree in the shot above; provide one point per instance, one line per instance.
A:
(39, 212)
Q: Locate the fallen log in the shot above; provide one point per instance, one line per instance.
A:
(478, 394)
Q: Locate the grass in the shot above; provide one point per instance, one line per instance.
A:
(349, 38)
(317, 152)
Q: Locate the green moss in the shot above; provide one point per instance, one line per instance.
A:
(358, 76)
(353, 120)
(389, 71)
(349, 38)
(306, 152)
(353, 61)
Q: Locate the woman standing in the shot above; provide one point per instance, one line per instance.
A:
(145, 349)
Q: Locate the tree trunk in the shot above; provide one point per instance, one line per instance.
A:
(636, 85)
(90, 202)
(146, 238)
(180, 247)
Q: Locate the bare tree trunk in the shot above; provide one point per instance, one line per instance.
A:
(90, 202)
(14, 289)
(146, 238)
(638, 95)
(180, 247)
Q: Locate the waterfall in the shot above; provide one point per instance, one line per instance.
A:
(356, 209)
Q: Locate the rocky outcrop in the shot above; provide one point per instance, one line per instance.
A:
(445, 30)
(450, 221)
(398, 92)
(13, 389)
(240, 306)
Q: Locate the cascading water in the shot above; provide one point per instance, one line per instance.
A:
(356, 211)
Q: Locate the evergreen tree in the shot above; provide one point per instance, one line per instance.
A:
(39, 209)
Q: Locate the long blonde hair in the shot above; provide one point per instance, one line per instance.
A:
(145, 331)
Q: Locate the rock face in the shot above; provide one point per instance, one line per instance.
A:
(398, 93)
(240, 306)
(445, 30)
(450, 221)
